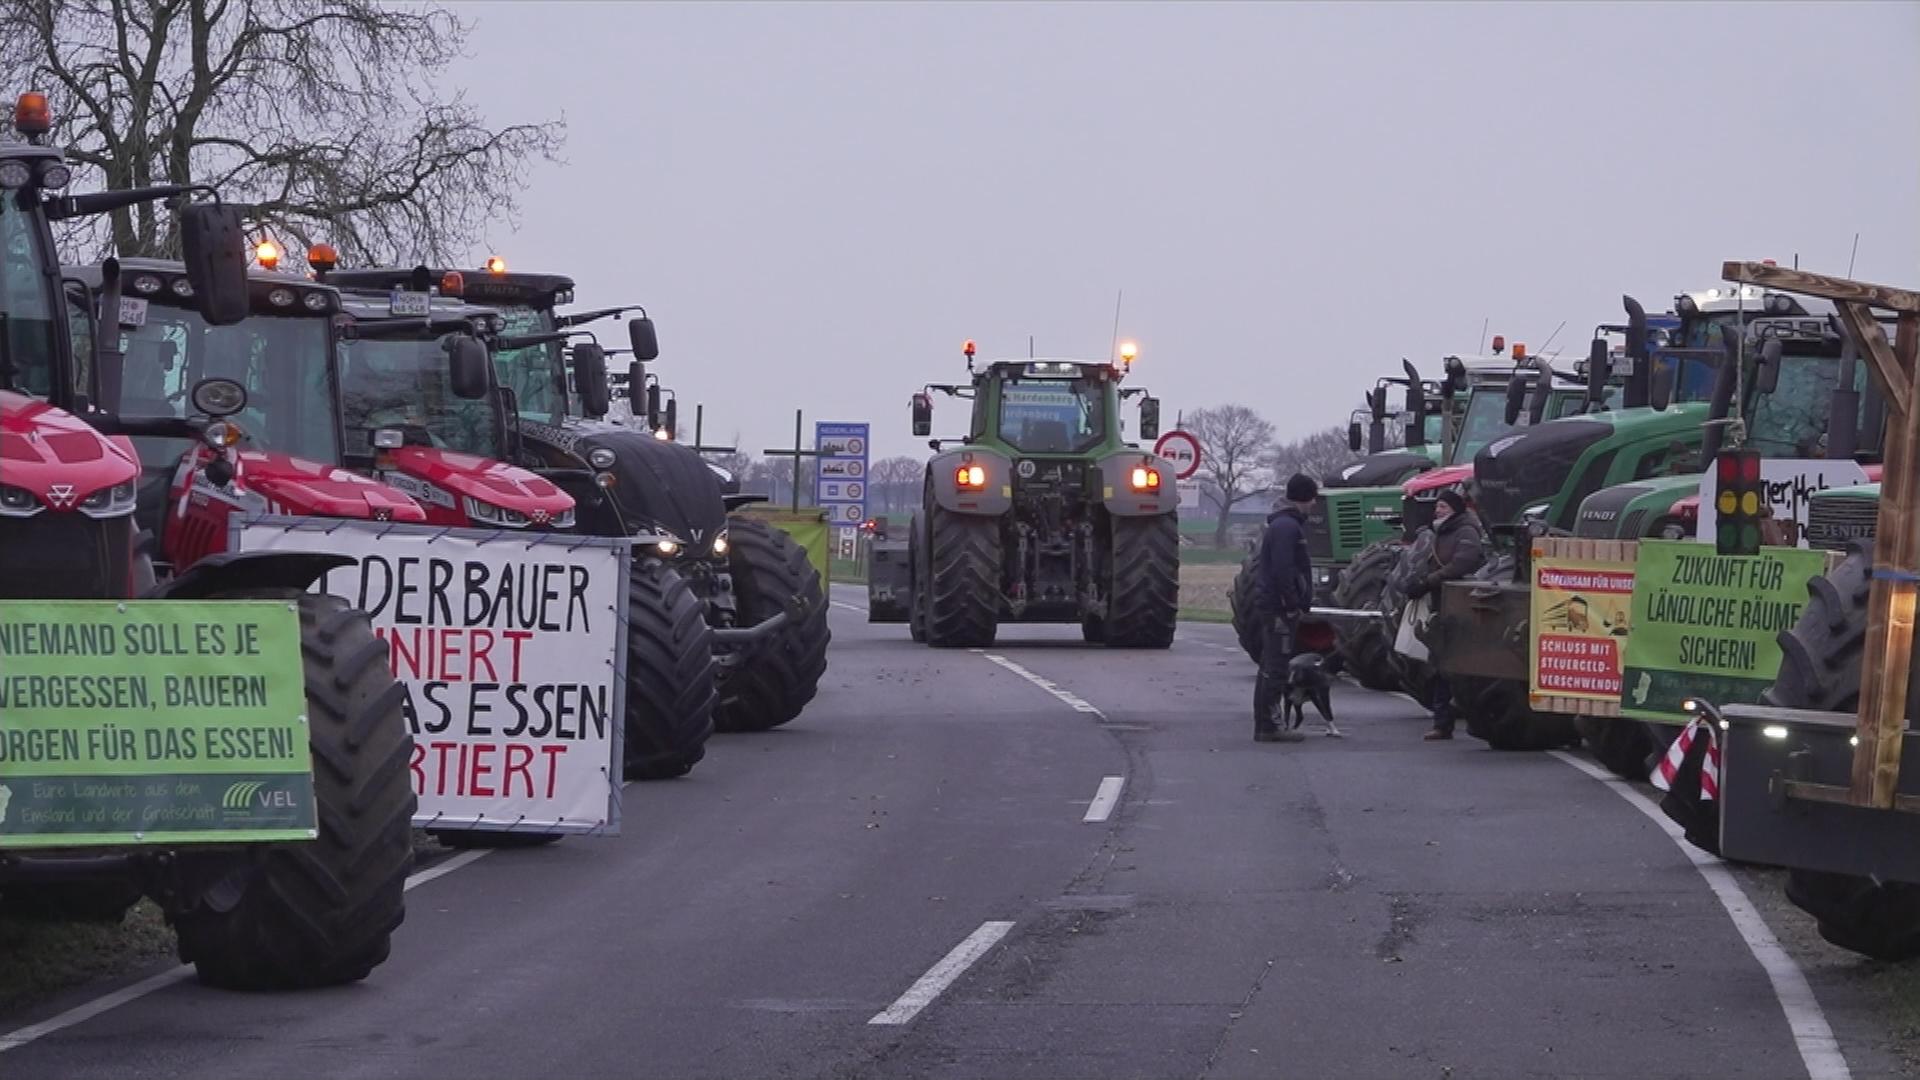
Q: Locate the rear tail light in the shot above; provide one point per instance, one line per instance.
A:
(970, 477)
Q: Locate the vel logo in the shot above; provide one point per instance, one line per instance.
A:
(252, 793)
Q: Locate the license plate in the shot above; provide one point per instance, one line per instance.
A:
(409, 303)
(133, 311)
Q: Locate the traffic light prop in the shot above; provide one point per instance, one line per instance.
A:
(1739, 502)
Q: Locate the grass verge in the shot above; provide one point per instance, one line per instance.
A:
(39, 959)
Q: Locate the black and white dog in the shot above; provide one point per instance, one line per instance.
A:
(1310, 679)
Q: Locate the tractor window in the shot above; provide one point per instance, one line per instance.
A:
(1791, 422)
(1485, 421)
(1051, 417)
(282, 361)
(405, 385)
(1573, 402)
(80, 334)
(534, 374)
(27, 328)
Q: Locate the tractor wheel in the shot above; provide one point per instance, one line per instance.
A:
(1367, 646)
(1246, 619)
(1496, 712)
(771, 574)
(917, 579)
(963, 580)
(670, 674)
(1143, 599)
(1820, 669)
(319, 913)
(1624, 746)
(69, 901)
(1093, 630)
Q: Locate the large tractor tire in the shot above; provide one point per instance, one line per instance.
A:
(963, 580)
(1497, 713)
(1820, 669)
(671, 674)
(771, 574)
(1624, 746)
(319, 913)
(1242, 602)
(1367, 647)
(1143, 599)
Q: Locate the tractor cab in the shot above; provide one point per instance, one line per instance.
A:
(277, 451)
(420, 409)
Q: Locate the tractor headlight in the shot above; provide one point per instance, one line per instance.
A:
(667, 547)
(18, 502)
(1673, 530)
(721, 544)
(563, 519)
(115, 501)
(14, 174)
(600, 457)
(498, 516)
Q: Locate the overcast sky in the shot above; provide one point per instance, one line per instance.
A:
(819, 203)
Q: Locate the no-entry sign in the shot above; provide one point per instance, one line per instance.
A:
(1183, 450)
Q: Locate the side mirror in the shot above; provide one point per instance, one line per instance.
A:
(1599, 370)
(673, 417)
(214, 248)
(636, 378)
(1767, 379)
(922, 416)
(1542, 390)
(640, 335)
(1355, 440)
(1150, 418)
(1377, 403)
(467, 363)
(1416, 434)
(590, 379)
(653, 405)
(1660, 393)
(1516, 399)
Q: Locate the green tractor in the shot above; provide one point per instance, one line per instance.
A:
(1534, 481)
(1043, 513)
(1799, 399)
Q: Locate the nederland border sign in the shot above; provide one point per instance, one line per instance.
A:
(512, 649)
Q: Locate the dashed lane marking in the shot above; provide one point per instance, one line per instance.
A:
(1812, 1035)
(943, 974)
(1105, 799)
(1073, 700)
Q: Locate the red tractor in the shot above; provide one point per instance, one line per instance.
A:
(248, 915)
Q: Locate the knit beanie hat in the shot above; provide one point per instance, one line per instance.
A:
(1301, 488)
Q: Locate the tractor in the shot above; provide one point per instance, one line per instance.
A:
(763, 605)
(247, 915)
(1043, 512)
(1535, 479)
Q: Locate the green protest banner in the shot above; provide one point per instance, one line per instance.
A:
(1706, 625)
(152, 722)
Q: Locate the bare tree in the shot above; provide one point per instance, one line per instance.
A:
(895, 482)
(1319, 455)
(320, 117)
(1233, 439)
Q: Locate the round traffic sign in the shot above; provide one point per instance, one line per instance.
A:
(1181, 448)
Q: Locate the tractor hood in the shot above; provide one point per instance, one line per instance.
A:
(304, 488)
(659, 486)
(57, 458)
(448, 473)
(1380, 470)
(1430, 483)
(1531, 466)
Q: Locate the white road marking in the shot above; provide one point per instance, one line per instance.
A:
(85, 1011)
(943, 974)
(1812, 1035)
(1105, 799)
(849, 607)
(1074, 701)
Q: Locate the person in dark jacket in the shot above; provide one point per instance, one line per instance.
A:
(1459, 548)
(1284, 580)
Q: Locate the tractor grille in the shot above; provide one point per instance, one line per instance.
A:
(1349, 525)
(1834, 523)
(55, 556)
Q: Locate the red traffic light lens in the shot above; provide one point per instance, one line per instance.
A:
(1729, 469)
(1749, 467)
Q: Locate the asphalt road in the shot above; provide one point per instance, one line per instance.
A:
(1374, 906)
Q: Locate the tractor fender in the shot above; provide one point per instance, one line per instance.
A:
(231, 571)
(1116, 485)
(994, 499)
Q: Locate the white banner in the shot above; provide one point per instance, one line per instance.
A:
(512, 648)
(1789, 483)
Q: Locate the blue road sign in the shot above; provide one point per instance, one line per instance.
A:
(840, 471)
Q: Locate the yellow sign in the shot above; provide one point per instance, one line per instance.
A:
(1581, 610)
